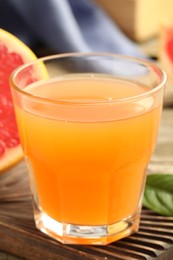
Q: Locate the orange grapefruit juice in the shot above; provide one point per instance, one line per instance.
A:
(88, 153)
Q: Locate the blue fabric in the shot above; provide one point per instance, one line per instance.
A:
(65, 26)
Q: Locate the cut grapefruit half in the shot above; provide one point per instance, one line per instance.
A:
(166, 49)
(13, 53)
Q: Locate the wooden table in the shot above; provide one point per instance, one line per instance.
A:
(19, 238)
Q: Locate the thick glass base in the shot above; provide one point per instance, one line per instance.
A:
(77, 234)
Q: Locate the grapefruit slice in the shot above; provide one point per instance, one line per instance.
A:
(13, 53)
(166, 50)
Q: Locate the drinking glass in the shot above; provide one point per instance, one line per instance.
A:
(88, 125)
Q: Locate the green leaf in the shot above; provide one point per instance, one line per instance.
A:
(158, 194)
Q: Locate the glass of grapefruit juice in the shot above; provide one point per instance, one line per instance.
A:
(88, 125)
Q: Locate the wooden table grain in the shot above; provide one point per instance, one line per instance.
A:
(19, 238)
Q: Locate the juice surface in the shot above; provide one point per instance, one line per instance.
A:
(89, 172)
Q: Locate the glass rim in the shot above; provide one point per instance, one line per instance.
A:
(147, 63)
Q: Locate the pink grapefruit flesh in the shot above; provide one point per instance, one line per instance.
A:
(169, 48)
(13, 53)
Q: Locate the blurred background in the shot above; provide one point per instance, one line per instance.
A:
(58, 26)
(139, 28)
